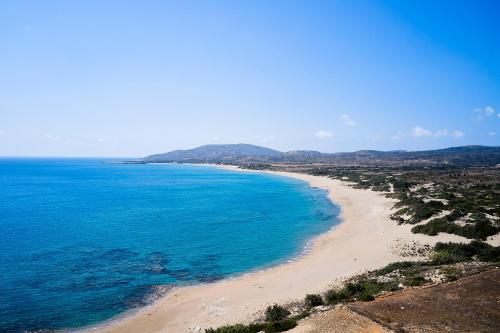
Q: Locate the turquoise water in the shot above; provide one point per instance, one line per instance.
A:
(82, 241)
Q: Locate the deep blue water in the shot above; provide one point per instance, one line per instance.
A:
(82, 241)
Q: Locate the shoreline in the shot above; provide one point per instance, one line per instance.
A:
(365, 239)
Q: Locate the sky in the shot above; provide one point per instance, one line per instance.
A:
(133, 78)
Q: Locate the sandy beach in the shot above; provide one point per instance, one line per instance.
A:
(366, 239)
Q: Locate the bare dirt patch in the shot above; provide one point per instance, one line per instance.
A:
(471, 304)
(338, 320)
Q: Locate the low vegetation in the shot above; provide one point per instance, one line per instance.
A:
(448, 253)
(447, 261)
(481, 228)
(313, 300)
(461, 201)
(278, 319)
(276, 313)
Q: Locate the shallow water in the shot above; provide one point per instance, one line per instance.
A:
(82, 241)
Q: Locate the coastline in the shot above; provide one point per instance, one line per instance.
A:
(365, 239)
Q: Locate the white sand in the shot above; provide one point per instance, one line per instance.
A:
(366, 239)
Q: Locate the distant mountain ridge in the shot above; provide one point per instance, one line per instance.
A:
(247, 153)
(215, 152)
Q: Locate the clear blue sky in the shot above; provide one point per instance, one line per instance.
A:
(131, 78)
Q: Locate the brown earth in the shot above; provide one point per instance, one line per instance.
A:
(471, 304)
(338, 320)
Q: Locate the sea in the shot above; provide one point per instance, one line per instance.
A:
(85, 240)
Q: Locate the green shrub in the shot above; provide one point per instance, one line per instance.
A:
(256, 327)
(334, 296)
(451, 273)
(373, 287)
(280, 326)
(487, 253)
(276, 313)
(361, 290)
(435, 226)
(479, 228)
(442, 258)
(397, 265)
(424, 210)
(313, 300)
(352, 289)
(238, 328)
(448, 253)
(381, 188)
(365, 297)
(414, 281)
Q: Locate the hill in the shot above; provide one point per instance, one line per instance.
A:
(218, 153)
(246, 153)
